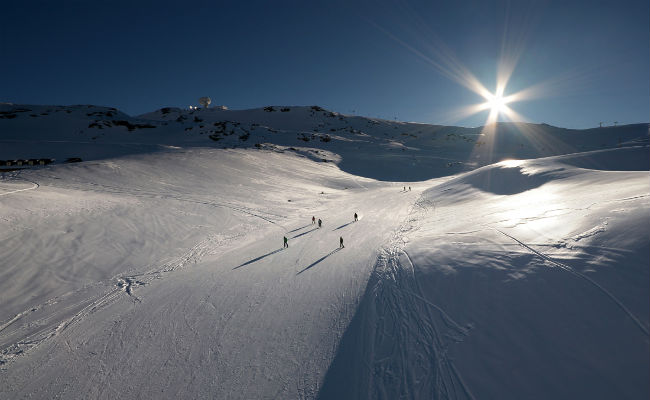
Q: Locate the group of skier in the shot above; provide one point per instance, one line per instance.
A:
(320, 224)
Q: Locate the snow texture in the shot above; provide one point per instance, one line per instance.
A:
(509, 265)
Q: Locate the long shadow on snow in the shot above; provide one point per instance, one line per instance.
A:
(258, 258)
(342, 226)
(319, 260)
(401, 343)
(347, 376)
(396, 344)
(304, 233)
(297, 229)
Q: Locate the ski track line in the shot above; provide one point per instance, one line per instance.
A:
(148, 194)
(412, 325)
(31, 341)
(583, 276)
(451, 324)
(422, 331)
(128, 283)
(35, 186)
(125, 283)
(442, 312)
(628, 198)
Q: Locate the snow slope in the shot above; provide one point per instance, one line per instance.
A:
(523, 279)
(156, 269)
(189, 265)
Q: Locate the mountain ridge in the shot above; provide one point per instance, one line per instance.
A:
(416, 151)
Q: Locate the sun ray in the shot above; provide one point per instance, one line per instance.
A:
(443, 60)
(498, 103)
(456, 114)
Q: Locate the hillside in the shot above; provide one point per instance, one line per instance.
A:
(409, 151)
(512, 264)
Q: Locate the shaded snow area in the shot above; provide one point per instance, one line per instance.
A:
(155, 268)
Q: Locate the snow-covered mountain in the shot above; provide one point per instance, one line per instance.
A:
(510, 262)
(414, 151)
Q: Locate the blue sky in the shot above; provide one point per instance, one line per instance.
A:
(373, 58)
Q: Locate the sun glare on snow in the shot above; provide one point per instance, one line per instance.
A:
(511, 163)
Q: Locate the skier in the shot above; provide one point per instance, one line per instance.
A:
(355, 217)
(341, 243)
(319, 222)
(405, 188)
(313, 220)
(286, 242)
(409, 188)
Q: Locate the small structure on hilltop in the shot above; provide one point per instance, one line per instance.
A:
(205, 104)
(205, 101)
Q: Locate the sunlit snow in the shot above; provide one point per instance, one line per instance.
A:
(509, 266)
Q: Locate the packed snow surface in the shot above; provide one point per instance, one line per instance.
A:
(510, 265)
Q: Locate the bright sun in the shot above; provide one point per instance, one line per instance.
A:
(497, 103)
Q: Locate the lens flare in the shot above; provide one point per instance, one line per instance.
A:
(416, 36)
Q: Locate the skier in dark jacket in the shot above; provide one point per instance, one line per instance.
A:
(320, 222)
(286, 242)
(341, 242)
(356, 218)
(313, 220)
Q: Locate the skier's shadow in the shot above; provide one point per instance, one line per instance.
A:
(343, 226)
(302, 227)
(258, 258)
(304, 233)
(319, 260)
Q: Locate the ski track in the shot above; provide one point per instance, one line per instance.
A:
(17, 177)
(84, 186)
(583, 276)
(123, 283)
(32, 340)
(406, 323)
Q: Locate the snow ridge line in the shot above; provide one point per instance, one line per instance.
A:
(408, 353)
(88, 306)
(583, 276)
